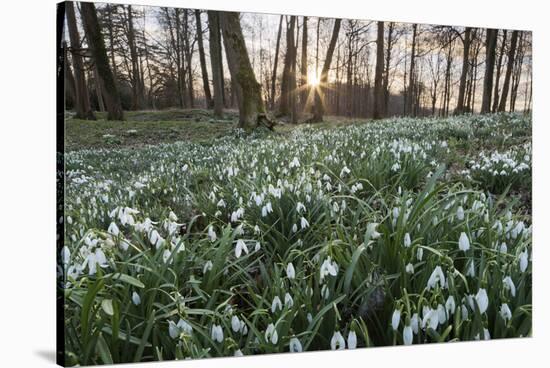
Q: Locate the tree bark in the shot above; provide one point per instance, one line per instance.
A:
(387, 69)
(509, 67)
(97, 45)
(275, 63)
(82, 103)
(303, 66)
(215, 61)
(137, 93)
(498, 73)
(188, 52)
(287, 92)
(410, 97)
(319, 108)
(464, 74)
(378, 83)
(248, 90)
(490, 50)
(202, 58)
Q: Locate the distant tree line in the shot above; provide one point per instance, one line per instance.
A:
(119, 57)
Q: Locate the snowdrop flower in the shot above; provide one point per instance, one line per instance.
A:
(241, 245)
(290, 272)
(235, 324)
(328, 268)
(344, 171)
(395, 319)
(470, 268)
(523, 260)
(172, 329)
(407, 335)
(309, 318)
(136, 298)
(238, 353)
(482, 300)
(505, 312)
(289, 302)
(414, 323)
(337, 341)
(300, 207)
(65, 255)
(113, 229)
(407, 240)
(509, 284)
(207, 267)
(352, 340)
(442, 317)
(257, 247)
(450, 305)
(217, 333)
(463, 242)
(276, 303)
(212, 234)
(419, 253)
(464, 312)
(295, 346)
(431, 319)
(460, 213)
(409, 268)
(304, 223)
(166, 256)
(437, 276)
(371, 229)
(294, 228)
(271, 334)
(503, 248)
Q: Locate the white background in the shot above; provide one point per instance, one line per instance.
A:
(27, 181)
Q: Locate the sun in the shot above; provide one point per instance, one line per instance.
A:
(313, 79)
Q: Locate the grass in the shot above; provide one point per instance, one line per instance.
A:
(349, 234)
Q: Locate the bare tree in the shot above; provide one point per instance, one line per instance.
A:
(466, 41)
(490, 50)
(99, 53)
(378, 83)
(509, 67)
(202, 58)
(303, 65)
(275, 63)
(215, 61)
(248, 90)
(82, 103)
(319, 108)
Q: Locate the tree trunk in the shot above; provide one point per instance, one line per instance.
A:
(82, 103)
(497, 77)
(319, 108)
(490, 50)
(97, 45)
(215, 61)
(137, 94)
(98, 90)
(378, 83)
(286, 81)
(387, 69)
(275, 63)
(509, 67)
(70, 87)
(516, 74)
(410, 97)
(202, 58)
(248, 90)
(464, 74)
(303, 66)
(188, 59)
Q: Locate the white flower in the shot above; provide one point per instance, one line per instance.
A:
(419, 253)
(257, 247)
(344, 171)
(460, 213)
(238, 353)
(523, 260)
(65, 255)
(464, 312)
(395, 319)
(217, 333)
(207, 267)
(482, 300)
(290, 272)
(212, 234)
(442, 317)
(304, 223)
(509, 284)
(294, 228)
(271, 334)
(328, 268)
(431, 319)
(276, 303)
(414, 323)
(235, 323)
(505, 312)
(136, 298)
(300, 207)
(337, 341)
(166, 255)
(436, 276)
(450, 305)
(409, 268)
(113, 229)
(352, 340)
(463, 242)
(295, 346)
(407, 335)
(289, 302)
(407, 240)
(172, 329)
(241, 245)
